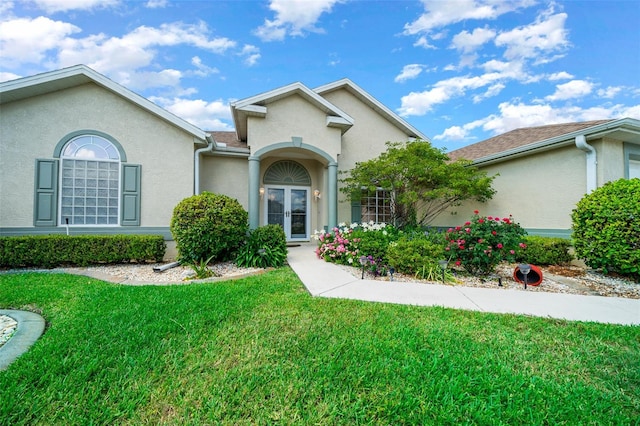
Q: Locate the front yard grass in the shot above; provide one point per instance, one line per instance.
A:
(260, 351)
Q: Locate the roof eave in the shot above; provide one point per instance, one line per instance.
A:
(590, 133)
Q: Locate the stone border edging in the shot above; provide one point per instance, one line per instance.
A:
(30, 328)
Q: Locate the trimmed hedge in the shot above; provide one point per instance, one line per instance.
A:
(49, 251)
(545, 251)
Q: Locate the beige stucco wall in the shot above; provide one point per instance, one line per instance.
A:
(289, 117)
(610, 159)
(31, 128)
(365, 140)
(226, 175)
(539, 190)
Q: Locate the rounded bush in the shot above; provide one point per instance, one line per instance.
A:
(409, 256)
(606, 228)
(208, 226)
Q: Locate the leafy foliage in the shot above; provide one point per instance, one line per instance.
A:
(483, 242)
(48, 251)
(208, 226)
(265, 247)
(421, 180)
(606, 228)
(545, 251)
(411, 256)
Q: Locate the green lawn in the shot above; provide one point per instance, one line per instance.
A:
(262, 351)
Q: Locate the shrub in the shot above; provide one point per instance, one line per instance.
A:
(345, 244)
(48, 251)
(606, 228)
(483, 242)
(410, 256)
(208, 226)
(545, 251)
(265, 247)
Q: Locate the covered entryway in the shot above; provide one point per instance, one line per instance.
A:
(288, 207)
(286, 198)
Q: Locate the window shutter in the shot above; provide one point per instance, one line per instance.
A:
(130, 202)
(356, 211)
(46, 193)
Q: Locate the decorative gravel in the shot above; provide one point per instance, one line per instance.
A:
(568, 280)
(7, 328)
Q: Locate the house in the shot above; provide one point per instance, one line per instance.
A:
(82, 154)
(542, 172)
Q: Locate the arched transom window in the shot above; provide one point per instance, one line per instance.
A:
(90, 182)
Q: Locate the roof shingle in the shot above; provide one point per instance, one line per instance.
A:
(519, 138)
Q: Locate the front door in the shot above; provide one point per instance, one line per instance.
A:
(288, 207)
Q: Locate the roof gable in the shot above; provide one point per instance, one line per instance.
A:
(373, 103)
(77, 75)
(256, 106)
(519, 141)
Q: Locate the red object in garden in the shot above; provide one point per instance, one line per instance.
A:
(534, 277)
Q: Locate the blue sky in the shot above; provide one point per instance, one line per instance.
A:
(460, 71)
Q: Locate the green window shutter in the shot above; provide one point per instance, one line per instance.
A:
(130, 202)
(46, 193)
(356, 211)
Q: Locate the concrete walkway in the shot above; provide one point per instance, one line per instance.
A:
(29, 329)
(324, 279)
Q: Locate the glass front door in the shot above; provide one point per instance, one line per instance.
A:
(289, 208)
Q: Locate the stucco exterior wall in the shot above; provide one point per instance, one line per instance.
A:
(31, 128)
(364, 141)
(610, 159)
(226, 175)
(290, 117)
(539, 190)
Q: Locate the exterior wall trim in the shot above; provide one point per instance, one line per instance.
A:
(63, 141)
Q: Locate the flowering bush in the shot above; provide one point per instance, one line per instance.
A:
(483, 242)
(346, 243)
(337, 246)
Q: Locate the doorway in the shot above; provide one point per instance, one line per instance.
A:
(288, 206)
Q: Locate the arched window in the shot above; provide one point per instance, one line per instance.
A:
(90, 182)
(287, 172)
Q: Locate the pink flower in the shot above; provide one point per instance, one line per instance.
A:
(512, 251)
(522, 245)
(490, 217)
(499, 245)
(480, 220)
(458, 263)
(494, 233)
(468, 230)
(480, 240)
(467, 223)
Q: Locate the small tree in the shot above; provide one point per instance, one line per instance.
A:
(421, 180)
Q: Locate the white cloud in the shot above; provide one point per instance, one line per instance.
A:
(493, 90)
(202, 70)
(546, 35)
(294, 18)
(251, 54)
(571, 90)
(459, 133)
(6, 76)
(157, 4)
(52, 6)
(409, 72)
(468, 42)
(562, 75)
(200, 113)
(26, 40)
(442, 13)
(610, 92)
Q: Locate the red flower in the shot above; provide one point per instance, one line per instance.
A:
(490, 217)
(467, 223)
(458, 263)
(480, 220)
(476, 212)
(494, 233)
